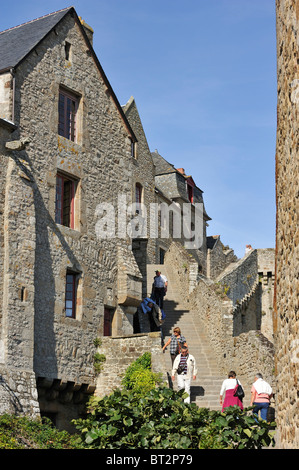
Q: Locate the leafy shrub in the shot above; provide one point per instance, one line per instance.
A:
(161, 420)
(139, 376)
(98, 362)
(24, 433)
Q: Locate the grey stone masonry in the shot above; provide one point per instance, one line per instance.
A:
(206, 317)
(120, 352)
(36, 252)
(286, 302)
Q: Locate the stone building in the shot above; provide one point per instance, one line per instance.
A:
(180, 190)
(286, 318)
(67, 153)
(81, 221)
(161, 191)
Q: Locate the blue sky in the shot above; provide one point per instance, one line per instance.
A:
(203, 74)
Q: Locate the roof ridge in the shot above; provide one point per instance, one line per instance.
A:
(36, 19)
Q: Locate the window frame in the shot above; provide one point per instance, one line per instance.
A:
(74, 283)
(68, 125)
(108, 320)
(61, 179)
(133, 149)
(190, 192)
(139, 198)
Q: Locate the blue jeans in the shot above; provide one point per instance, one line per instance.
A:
(263, 408)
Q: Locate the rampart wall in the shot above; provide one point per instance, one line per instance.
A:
(245, 350)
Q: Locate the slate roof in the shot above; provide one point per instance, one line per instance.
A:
(162, 165)
(17, 42)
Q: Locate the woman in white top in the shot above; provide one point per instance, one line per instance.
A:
(228, 387)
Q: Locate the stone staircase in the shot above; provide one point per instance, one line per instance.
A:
(205, 389)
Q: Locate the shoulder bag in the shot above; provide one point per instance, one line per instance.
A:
(238, 391)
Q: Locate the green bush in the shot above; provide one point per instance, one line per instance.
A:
(139, 376)
(24, 433)
(98, 362)
(142, 416)
(161, 420)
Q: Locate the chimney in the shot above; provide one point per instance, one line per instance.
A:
(88, 30)
(181, 170)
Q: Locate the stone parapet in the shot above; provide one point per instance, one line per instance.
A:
(120, 352)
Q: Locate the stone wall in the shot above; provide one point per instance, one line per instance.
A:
(6, 92)
(286, 318)
(184, 268)
(219, 257)
(18, 392)
(246, 352)
(143, 173)
(63, 346)
(239, 278)
(35, 251)
(266, 271)
(5, 131)
(237, 343)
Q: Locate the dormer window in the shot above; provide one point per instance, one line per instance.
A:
(190, 190)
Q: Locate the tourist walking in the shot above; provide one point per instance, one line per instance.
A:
(159, 288)
(228, 387)
(176, 341)
(261, 393)
(185, 367)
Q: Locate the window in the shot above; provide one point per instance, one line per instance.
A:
(67, 111)
(67, 50)
(65, 201)
(190, 192)
(190, 188)
(133, 149)
(138, 198)
(108, 317)
(71, 287)
(138, 193)
(161, 256)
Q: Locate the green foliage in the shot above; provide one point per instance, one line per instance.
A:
(97, 342)
(236, 429)
(161, 420)
(98, 358)
(24, 433)
(142, 416)
(98, 362)
(139, 376)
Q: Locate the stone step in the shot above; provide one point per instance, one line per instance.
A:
(205, 390)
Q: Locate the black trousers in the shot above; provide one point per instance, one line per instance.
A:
(159, 293)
